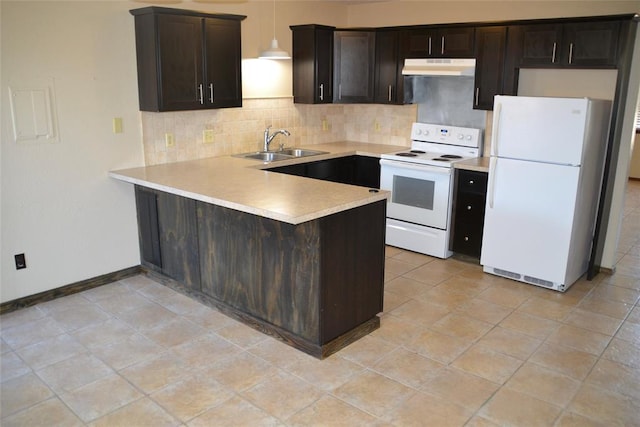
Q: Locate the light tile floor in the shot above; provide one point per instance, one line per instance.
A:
(456, 347)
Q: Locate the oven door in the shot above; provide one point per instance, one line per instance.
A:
(419, 193)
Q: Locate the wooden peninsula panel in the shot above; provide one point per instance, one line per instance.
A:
(317, 285)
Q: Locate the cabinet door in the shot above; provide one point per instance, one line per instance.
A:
(180, 62)
(312, 64)
(490, 56)
(591, 44)
(223, 85)
(455, 42)
(353, 66)
(438, 43)
(179, 239)
(388, 78)
(148, 230)
(540, 44)
(367, 171)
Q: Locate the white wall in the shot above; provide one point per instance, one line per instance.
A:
(58, 205)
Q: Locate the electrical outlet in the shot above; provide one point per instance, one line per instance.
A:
(117, 125)
(376, 126)
(208, 136)
(169, 140)
(325, 125)
(21, 261)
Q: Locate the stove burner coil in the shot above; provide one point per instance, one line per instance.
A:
(451, 156)
(410, 154)
(418, 151)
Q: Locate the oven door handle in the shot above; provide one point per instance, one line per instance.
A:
(415, 167)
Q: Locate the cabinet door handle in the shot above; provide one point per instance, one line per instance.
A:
(477, 95)
(321, 91)
(553, 54)
(200, 96)
(429, 45)
(570, 53)
(466, 238)
(442, 50)
(468, 207)
(340, 91)
(471, 182)
(211, 93)
(389, 93)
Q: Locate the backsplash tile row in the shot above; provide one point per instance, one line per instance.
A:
(238, 130)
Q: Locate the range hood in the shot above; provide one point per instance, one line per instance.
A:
(439, 67)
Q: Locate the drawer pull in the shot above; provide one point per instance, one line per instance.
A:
(468, 207)
(466, 239)
(471, 181)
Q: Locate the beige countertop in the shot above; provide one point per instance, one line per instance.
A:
(241, 184)
(481, 164)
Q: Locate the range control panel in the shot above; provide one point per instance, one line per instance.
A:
(452, 135)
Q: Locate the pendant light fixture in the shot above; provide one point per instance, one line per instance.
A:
(274, 51)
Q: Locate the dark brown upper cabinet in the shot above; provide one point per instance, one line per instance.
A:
(312, 64)
(353, 66)
(490, 58)
(187, 60)
(451, 42)
(388, 71)
(579, 44)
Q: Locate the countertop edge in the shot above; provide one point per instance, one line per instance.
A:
(365, 199)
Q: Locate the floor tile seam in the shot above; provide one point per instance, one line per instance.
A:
(548, 342)
(87, 351)
(412, 393)
(30, 408)
(53, 394)
(562, 374)
(151, 397)
(265, 410)
(590, 383)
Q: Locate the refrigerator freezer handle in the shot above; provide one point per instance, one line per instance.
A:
(495, 136)
(493, 165)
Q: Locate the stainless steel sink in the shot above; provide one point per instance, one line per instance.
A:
(267, 156)
(300, 152)
(286, 154)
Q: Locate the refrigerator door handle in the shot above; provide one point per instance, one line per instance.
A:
(495, 137)
(493, 164)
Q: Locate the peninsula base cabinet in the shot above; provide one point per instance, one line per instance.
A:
(468, 211)
(317, 286)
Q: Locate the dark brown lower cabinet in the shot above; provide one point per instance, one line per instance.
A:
(317, 286)
(468, 211)
(168, 235)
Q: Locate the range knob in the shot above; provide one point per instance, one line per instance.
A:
(460, 136)
(468, 137)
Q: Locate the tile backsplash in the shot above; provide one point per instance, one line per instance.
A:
(239, 130)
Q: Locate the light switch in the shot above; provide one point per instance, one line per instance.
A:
(117, 125)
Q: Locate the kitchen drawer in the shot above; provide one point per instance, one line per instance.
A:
(472, 182)
(467, 239)
(469, 208)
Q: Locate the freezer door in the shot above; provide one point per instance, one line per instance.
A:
(539, 128)
(529, 217)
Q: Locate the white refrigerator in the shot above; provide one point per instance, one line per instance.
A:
(545, 174)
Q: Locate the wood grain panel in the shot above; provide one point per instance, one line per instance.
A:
(264, 267)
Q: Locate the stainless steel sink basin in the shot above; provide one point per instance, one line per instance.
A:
(286, 154)
(300, 152)
(267, 157)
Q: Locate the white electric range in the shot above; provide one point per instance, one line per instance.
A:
(421, 186)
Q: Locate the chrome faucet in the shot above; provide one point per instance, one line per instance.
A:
(268, 138)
